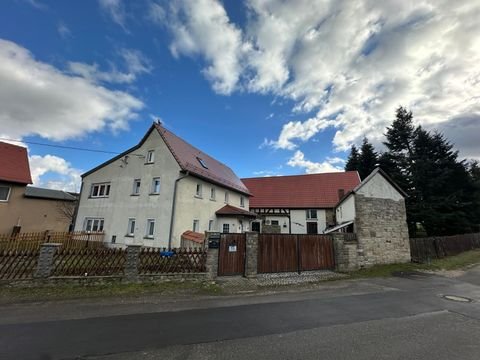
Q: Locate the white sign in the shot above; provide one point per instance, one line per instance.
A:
(232, 248)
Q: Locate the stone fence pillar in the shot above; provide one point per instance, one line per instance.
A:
(131, 264)
(251, 255)
(346, 253)
(212, 255)
(45, 260)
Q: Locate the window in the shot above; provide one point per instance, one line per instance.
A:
(275, 222)
(242, 201)
(210, 225)
(150, 228)
(131, 227)
(150, 156)
(4, 193)
(226, 228)
(212, 193)
(311, 214)
(196, 226)
(93, 224)
(204, 165)
(100, 190)
(198, 191)
(156, 185)
(226, 197)
(136, 187)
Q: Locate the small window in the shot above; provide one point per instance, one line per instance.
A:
(210, 225)
(150, 228)
(100, 190)
(198, 191)
(226, 197)
(150, 156)
(156, 185)
(242, 201)
(275, 222)
(204, 165)
(131, 227)
(226, 228)
(212, 193)
(93, 224)
(311, 214)
(136, 187)
(196, 225)
(4, 193)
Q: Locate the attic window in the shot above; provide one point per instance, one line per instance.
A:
(202, 163)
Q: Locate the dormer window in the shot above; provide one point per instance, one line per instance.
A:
(204, 165)
(150, 156)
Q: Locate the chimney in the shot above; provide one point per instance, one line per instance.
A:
(341, 193)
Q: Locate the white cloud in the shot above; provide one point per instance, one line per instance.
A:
(63, 30)
(116, 10)
(298, 160)
(135, 62)
(66, 178)
(39, 99)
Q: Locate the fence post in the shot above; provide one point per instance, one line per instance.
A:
(45, 260)
(251, 255)
(131, 265)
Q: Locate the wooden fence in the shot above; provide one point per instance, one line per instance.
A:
(425, 249)
(33, 240)
(154, 261)
(18, 264)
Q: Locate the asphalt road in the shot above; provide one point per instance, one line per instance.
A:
(397, 318)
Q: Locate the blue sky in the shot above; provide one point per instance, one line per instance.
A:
(268, 87)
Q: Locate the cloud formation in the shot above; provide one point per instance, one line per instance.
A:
(310, 167)
(67, 177)
(116, 10)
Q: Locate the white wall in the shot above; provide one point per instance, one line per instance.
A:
(378, 187)
(281, 220)
(346, 210)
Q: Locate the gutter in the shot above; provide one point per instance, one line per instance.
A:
(174, 203)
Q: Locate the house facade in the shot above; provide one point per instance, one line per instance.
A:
(154, 192)
(298, 204)
(26, 208)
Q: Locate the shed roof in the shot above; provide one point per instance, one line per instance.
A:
(229, 210)
(36, 192)
(14, 165)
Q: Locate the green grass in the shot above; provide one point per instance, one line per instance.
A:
(460, 261)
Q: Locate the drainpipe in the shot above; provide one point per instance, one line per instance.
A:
(174, 203)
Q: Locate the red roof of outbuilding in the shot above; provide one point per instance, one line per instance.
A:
(229, 210)
(193, 236)
(300, 191)
(14, 165)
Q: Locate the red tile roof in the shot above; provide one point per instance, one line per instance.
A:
(300, 191)
(193, 236)
(14, 165)
(190, 159)
(229, 210)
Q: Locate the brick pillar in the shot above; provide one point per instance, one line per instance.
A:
(212, 263)
(252, 255)
(131, 265)
(45, 260)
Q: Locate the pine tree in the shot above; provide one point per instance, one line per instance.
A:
(368, 159)
(353, 159)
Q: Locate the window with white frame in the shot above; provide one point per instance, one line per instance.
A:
(312, 214)
(100, 190)
(226, 197)
(150, 228)
(156, 185)
(210, 225)
(242, 201)
(196, 225)
(136, 187)
(150, 156)
(212, 193)
(226, 228)
(4, 193)
(198, 191)
(93, 224)
(131, 227)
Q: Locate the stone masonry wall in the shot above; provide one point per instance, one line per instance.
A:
(382, 232)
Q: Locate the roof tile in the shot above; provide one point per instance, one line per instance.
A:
(14, 165)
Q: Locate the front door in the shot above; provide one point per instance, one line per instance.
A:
(312, 228)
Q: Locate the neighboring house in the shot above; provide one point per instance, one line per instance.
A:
(375, 211)
(26, 208)
(154, 192)
(298, 204)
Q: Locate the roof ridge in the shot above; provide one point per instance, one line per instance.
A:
(315, 174)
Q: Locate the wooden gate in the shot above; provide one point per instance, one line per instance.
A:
(288, 252)
(231, 254)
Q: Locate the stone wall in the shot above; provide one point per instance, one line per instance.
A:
(346, 252)
(382, 233)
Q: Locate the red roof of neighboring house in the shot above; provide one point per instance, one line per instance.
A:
(193, 236)
(229, 210)
(14, 165)
(300, 191)
(190, 159)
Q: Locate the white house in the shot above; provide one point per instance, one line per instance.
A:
(160, 188)
(298, 204)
